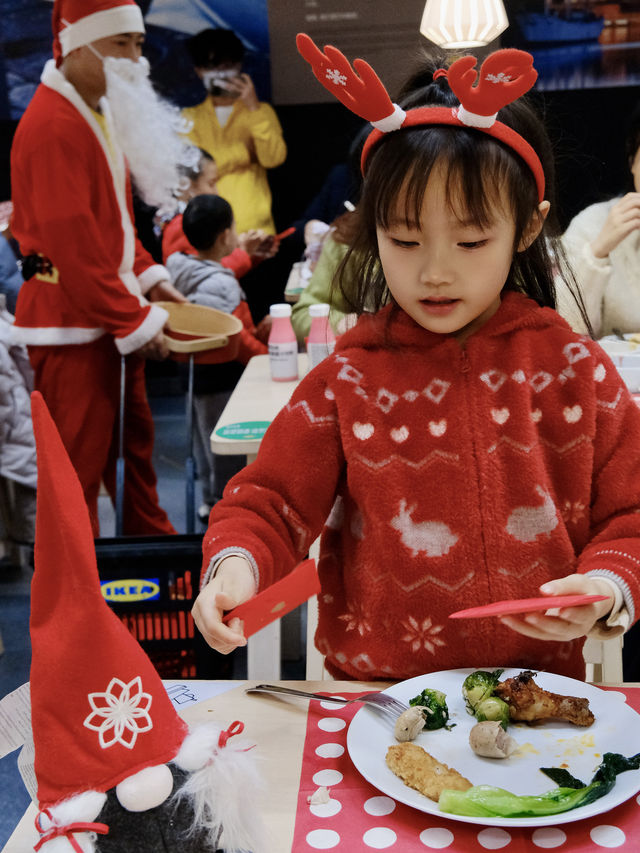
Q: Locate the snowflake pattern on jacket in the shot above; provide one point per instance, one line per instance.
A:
(444, 477)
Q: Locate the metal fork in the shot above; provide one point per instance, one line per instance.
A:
(382, 701)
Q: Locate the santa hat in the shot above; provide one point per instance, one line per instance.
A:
(79, 22)
(504, 76)
(99, 710)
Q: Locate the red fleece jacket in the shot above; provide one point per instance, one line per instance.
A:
(444, 478)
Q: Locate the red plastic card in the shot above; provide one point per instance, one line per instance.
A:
(286, 233)
(525, 605)
(278, 599)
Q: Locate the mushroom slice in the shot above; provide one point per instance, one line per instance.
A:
(410, 723)
(490, 740)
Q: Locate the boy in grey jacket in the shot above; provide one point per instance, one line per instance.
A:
(208, 225)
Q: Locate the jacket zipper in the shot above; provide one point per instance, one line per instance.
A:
(465, 368)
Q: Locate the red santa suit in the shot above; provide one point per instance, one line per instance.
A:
(72, 205)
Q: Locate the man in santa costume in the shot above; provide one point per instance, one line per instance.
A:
(118, 770)
(90, 286)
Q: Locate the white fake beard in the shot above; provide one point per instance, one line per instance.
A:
(148, 130)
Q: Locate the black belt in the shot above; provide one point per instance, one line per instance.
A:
(36, 265)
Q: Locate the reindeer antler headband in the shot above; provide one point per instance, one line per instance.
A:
(504, 76)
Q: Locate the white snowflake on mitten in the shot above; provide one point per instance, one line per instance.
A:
(498, 78)
(120, 714)
(336, 77)
(422, 634)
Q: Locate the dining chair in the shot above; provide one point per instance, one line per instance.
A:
(604, 660)
(315, 669)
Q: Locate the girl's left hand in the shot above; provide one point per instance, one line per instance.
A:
(566, 623)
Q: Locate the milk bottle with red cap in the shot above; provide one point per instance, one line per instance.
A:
(283, 345)
(321, 340)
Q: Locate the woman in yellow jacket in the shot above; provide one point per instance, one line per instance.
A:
(242, 133)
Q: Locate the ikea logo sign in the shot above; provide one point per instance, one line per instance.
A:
(131, 589)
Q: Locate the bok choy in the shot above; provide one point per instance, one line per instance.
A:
(488, 801)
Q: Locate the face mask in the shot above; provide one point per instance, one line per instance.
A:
(216, 81)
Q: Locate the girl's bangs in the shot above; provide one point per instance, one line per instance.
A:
(477, 172)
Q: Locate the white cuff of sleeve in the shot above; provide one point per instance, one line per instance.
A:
(617, 622)
(602, 264)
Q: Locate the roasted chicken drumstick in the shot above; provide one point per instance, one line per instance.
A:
(531, 703)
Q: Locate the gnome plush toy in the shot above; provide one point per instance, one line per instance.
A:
(117, 768)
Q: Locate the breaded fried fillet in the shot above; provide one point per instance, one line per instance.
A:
(422, 771)
(530, 703)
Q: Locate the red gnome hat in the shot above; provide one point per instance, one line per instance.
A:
(79, 22)
(99, 710)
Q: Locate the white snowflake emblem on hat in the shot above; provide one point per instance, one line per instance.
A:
(120, 714)
(334, 75)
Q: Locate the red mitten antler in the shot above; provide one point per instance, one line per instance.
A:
(504, 76)
(358, 88)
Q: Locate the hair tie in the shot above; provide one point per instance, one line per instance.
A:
(441, 72)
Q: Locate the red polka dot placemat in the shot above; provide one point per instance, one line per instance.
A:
(359, 818)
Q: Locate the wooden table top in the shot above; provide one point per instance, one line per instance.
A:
(277, 724)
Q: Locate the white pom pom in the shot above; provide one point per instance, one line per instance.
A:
(146, 789)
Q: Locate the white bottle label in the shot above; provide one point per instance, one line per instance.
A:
(317, 352)
(283, 359)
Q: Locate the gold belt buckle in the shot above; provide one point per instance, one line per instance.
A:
(48, 272)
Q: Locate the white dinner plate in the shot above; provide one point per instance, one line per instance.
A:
(552, 744)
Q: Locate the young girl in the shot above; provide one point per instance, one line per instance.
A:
(462, 445)
(254, 246)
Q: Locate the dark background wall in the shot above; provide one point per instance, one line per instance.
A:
(587, 127)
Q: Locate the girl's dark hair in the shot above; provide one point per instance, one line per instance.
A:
(477, 168)
(193, 172)
(204, 219)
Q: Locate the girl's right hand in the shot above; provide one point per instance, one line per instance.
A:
(232, 585)
(623, 218)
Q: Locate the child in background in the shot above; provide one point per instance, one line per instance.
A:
(253, 246)
(462, 445)
(202, 278)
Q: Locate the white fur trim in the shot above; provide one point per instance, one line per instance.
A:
(475, 120)
(152, 275)
(54, 79)
(391, 122)
(53, 335)
(149, 328)
(82, 808)
(99, 25)
(130, 281)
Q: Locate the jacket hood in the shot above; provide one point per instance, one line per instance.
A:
(393, 326)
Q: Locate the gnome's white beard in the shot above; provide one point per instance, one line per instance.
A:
(223, 788)
(147, 129)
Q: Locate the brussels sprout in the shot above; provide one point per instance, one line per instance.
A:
(479, 686)
(434, 704)
(493, 708)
